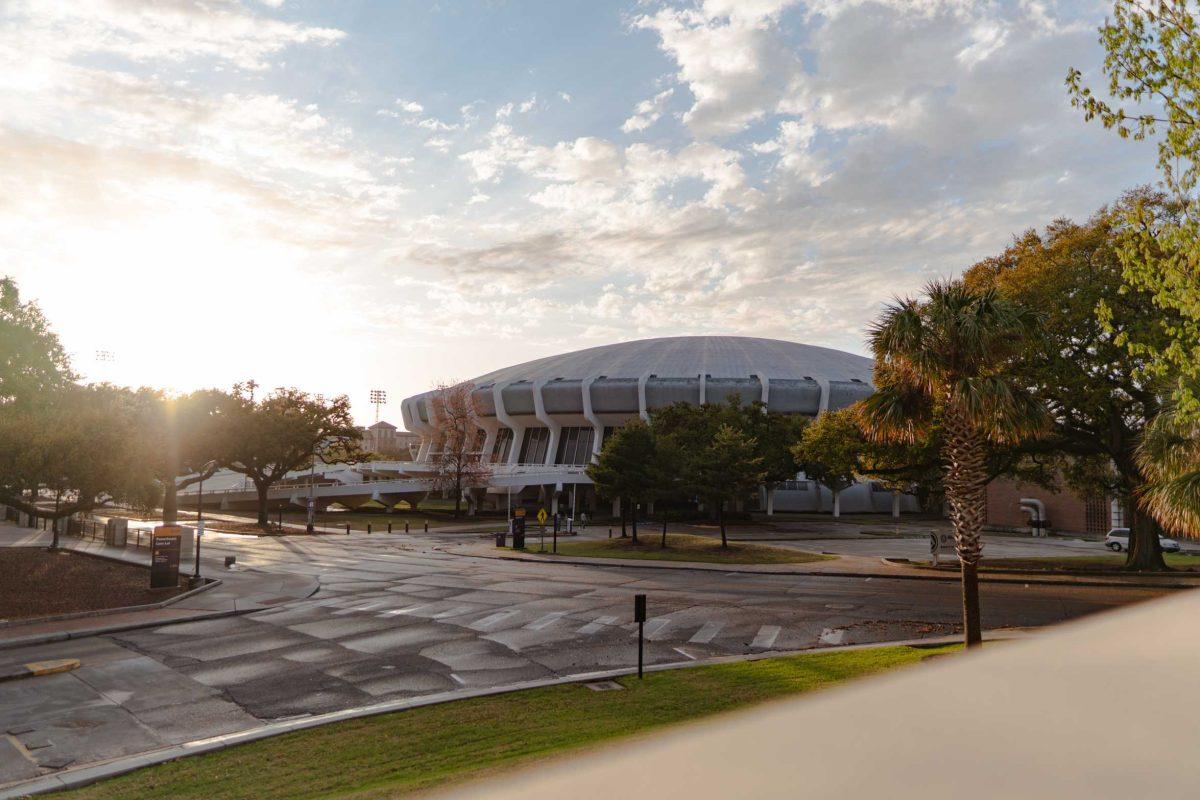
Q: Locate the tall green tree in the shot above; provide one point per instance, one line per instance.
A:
(76, 450)
(829, 451)
(776, 436)
(32, 360)
(192, 437)
(727, 470)
(1099, 395)
(625, 469)
(945, 358)
(1152, 65)
(286, 431)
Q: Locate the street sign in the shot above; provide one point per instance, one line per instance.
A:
(164, 556)
(519, 512)
(939, 542)
(542, 516)
(639, 616)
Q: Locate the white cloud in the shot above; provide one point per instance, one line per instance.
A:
(731, 56)
(410, 106)
(647, 112)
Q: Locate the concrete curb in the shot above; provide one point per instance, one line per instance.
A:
(37, 668)
(63, 636)
(1099, 573)
(103, 612)
(739, 569)
(73, 778)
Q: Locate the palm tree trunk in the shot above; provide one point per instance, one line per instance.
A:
(966, 485)
(970, 591)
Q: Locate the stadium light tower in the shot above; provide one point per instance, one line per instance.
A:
(378, 398)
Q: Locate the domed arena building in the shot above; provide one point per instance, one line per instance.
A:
(548, 418)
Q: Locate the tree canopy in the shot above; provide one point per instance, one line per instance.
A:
(1152, 63)
(32, 360)
(286, 431)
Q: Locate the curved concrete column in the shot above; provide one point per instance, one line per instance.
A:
(643, 411)
(765, 398)
(539, 411)
(703, 388)
(824, 404)
(590, 415)
(514, 452)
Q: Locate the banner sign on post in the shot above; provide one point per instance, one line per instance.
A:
(939, 542)
(164, 556)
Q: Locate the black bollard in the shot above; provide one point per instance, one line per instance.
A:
(389, 527)
(427, 526)
(406, 526)
(368, 528)
(347, 528)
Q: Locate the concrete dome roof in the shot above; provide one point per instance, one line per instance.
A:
(689, 356)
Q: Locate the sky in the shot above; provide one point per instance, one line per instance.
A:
(369, 194)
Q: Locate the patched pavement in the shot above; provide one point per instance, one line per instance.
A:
(398, 617)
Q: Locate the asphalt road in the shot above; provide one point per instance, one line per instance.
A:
(399, 616)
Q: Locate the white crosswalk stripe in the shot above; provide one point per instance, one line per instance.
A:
(492, 620)
(395, 612)
(766, 637)
(707, 633)
(655, 628)
(452, 612)
(596, 625)
(354, 609)
(545, 620)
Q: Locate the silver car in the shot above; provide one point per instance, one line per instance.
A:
(1118, 540)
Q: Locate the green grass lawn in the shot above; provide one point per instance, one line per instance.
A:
(1116, 561)
(397, 754)
(680, 547)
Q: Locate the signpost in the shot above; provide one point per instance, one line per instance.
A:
(541, 518)
(518, 529)
(164, 556)
(639, 616)
(938, 542)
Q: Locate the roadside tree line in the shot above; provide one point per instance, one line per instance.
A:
(67, 448)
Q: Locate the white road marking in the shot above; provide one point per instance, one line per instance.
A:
(655, 627)
(766, 637)
(596, 625)
(410, 610)
(683, 652)
(492, 620)
(707, 633)
(833, 636)
(545, 620)
(452, 612)
(458, 680)
(366, 607)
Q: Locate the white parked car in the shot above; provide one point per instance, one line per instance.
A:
(1118, 540)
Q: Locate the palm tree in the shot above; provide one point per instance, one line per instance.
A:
(943, 359)
(1169, 456)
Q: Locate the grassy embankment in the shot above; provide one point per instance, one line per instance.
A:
(397, 754)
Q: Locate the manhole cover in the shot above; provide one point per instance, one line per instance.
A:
(604, 686)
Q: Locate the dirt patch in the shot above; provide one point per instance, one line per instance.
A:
(37, 583)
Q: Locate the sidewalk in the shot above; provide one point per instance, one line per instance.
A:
(844, 566)
(239, 592)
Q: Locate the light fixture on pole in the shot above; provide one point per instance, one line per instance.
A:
(200, 518)
(378, 398)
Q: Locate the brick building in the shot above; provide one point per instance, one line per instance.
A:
(1066, 511)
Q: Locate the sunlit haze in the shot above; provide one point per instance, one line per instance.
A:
(357, 195)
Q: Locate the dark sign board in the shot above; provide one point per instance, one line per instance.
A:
(164, 556)
(639, 608)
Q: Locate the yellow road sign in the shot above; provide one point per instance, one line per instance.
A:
(541, 516)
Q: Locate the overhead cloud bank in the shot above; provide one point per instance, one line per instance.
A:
(790, 167)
